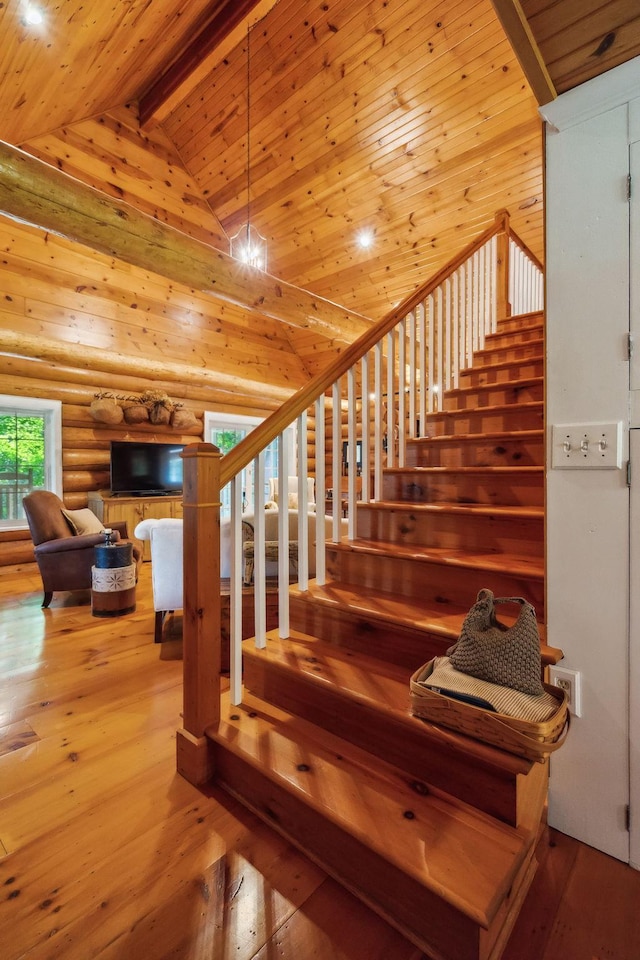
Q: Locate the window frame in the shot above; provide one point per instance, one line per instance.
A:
(51, 411)
(216, 418)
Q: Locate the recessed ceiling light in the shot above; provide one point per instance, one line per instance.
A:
(33, 17)
(365, 238)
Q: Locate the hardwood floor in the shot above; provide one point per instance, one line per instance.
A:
(105, 852)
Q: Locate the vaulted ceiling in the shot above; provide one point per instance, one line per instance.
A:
(415, 118)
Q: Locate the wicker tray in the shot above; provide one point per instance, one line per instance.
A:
(532, 740)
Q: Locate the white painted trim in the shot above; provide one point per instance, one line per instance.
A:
(611, 89)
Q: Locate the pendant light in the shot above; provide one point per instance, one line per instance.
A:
(248, 245)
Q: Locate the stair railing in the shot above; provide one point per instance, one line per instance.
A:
(382, 387)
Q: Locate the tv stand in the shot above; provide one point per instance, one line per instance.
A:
(132, 509)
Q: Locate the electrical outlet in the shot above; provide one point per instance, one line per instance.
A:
(569, 681)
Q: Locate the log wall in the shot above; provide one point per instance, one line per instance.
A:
(74, 323)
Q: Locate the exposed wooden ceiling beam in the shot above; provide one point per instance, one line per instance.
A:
(229, 13)
(35, 193)
(518, 31)
(84, 357)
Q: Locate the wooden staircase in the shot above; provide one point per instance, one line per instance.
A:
(435, 831)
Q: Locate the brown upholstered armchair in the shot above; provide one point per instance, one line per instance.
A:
(64, 553)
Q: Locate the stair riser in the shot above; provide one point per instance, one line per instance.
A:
(494, 353)
(505, 338)
(523, 536)
(471, 452)
(513, 370)
(493, 395)
(437, 583)
(523, 321)
(507, 419)
(515, 488)
(411, 745)
(428, 921)
(534, 331)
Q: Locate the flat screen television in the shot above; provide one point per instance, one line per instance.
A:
(146, 469)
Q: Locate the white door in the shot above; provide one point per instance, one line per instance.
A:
(634, 449)
(634, 656)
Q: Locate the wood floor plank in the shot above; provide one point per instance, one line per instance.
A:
(196, 869)
(325, 927)
(556, 857)
(82, 786)
(47, 757)
(235, 906)
(16, 736)
(112, 855)
(610, 926)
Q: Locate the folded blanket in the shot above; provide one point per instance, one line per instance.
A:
(525, 706)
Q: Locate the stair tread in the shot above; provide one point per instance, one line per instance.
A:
(528, 405)
(487, 350)
(381, 685)
(522, 565)
(501, 364)
(362, 677)
(534, 328)
(459, 854)
(485, 435)
(516, 384)
(525, 468)
(464, 509)
(527, 315)
(370, 602)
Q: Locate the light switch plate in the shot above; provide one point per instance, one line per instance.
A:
(586, 446)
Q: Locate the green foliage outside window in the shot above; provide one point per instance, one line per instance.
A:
(22, 461)
(226, 440)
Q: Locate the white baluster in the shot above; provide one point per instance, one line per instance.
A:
(390, 425)
(336, 477)
(413, 371)
(321, 493)
(283, 538)
(402, 392)
(493, 260)
(425, 383)
(431, 353)
(351, 452)
(366, 430)
(303, 505)
(259, 565)
(235, 597)
(378, 422)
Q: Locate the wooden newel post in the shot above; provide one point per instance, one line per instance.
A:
(201, 611)
(503, 306)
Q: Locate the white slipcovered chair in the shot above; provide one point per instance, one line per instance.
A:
(165, 537)
(292, 494)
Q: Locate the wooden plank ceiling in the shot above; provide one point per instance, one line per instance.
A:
(413, 118)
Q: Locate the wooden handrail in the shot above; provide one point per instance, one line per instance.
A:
(273, 426)
(525, 249)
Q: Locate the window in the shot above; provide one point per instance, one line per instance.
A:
(30, 453)
(227, 430)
